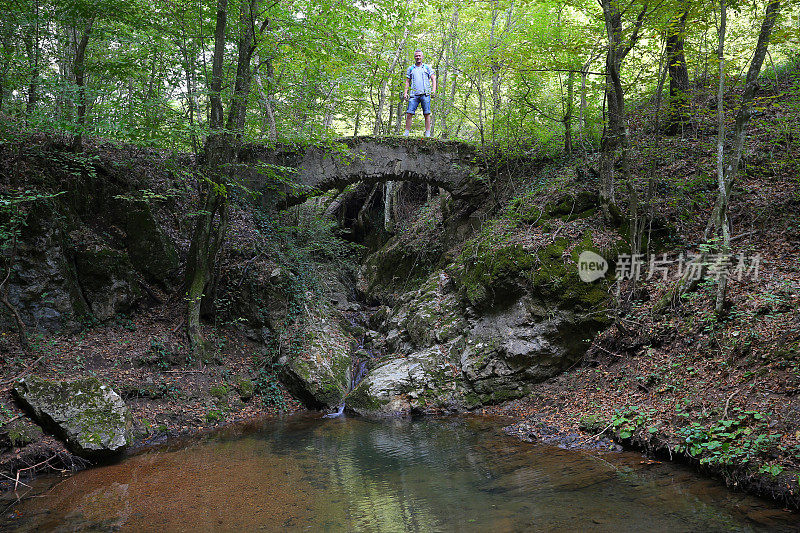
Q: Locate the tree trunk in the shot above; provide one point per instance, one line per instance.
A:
(719, 224)
(718, 228)
(188, 60)
(331, 107)
(32, 46)
(388, 196)
(662, 78)
(214, 98)
(79, 69)
(447, 100)
(495, 65)
(678, 112)
(582, 112)
(221, 150)
(238, 110)
(568, 114)
(265, 94)
(379, 129)
(205, 244)
(615, 136)
(399, 115)
(205, 241)
(5, 41)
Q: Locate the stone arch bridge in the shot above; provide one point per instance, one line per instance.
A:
(451, 165)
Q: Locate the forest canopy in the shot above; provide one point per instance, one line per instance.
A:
(519, 73)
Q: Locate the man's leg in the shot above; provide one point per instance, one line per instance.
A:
(413, 102)
(426, 112)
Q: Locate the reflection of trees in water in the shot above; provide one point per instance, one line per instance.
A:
(444, 474)
(421, 476)
(371, 475)
(353, 474)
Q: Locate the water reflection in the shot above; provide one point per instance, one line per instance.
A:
(458, 474)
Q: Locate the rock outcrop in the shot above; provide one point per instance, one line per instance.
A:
(88, 415)
(316, 366)
(43, 285)
(508, 351)
(482, 331)
(100, 246)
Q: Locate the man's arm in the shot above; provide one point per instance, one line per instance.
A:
(405, 91)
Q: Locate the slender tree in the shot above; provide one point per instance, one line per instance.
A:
(616, 138)
(718, 230)
(220, 151)
(678, 111)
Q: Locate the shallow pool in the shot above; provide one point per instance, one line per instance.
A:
(454, 474)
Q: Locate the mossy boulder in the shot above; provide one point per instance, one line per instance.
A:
(494, 273)
(556, 277)
(422, 380)
(246, 388)
(383, 392)
(88, 415)
(316, 367)
(432, 314)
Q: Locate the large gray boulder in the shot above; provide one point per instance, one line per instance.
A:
(89, 416)
(424, 379)
(510, 350)
(453, 356)
(316, 367)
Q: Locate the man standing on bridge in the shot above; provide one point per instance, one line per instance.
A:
(422, 80)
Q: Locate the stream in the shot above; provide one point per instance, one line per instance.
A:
(304, 473)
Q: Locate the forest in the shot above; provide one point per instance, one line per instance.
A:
(521, 74)
(211, 208)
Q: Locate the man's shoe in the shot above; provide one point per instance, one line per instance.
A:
(406, 133)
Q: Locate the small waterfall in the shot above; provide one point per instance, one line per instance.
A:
(360, 366)
(337, 413)
(358, 371)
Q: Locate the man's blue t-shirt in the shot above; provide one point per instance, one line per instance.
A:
(420, 77)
